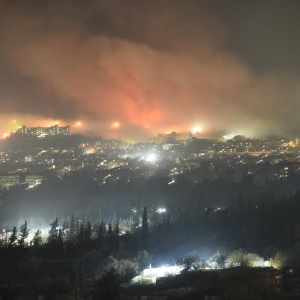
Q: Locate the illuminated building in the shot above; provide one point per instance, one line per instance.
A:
(6, 181)
(43, 132)
(183, 136)
(116, 164)
(33, 180)
(150, 275)
(168, 146)
(174, 136)
(28, 158)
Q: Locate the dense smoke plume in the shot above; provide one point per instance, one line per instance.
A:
(150, 66)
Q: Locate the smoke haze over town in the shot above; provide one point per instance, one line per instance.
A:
(150, 66)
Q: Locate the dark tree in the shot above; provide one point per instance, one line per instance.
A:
(117, 229)
(155, 219)
(117, 237)
(110, 237)
(145, 227)
(37, 239)
(108, 287)
(60, 242)
(13, 237)
(55, 239)
(53, 232)
(65, 229)
(72, 229)
(88, 231)
(110, 230)
(102, 230)
(23, 234)
(80, 236)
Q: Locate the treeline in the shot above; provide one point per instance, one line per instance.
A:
(81, 194)
(77, 251)
(70, 258)
(78, 248)
(262, 225)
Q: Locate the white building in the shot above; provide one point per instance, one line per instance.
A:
(6, 181)
(43, 132)
(150, 275)
(116, 164)
(33, 180)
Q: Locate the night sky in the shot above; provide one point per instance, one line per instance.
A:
(151, 66)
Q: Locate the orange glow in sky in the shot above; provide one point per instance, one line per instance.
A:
(115, 125)
(5, 135)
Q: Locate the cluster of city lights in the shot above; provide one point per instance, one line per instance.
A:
(197, 129)
(115, 125)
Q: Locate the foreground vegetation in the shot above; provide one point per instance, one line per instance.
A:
(81, 249)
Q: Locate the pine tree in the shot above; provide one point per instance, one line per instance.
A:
(117, 230)
(53, 232)
(145, 220)
(110, 230)
(65, 229)
(72, 229)
(110, 237)
(100, 216)
(60, 242)
(117, 237)
(37, 239)
(88, 231)
(80, 236)
(77, 227)
(23, 234)
(13, 237)
(145, 227)
(155, 218)
(102, 230)
(136, 222)
(114, 218)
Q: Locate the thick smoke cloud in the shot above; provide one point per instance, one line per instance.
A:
(152, 66)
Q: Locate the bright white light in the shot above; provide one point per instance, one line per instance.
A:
(229, 136)
(163, 271)
(161, 210)
(4, 136)
(151, 157)
(267, 263)
(197, 129)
